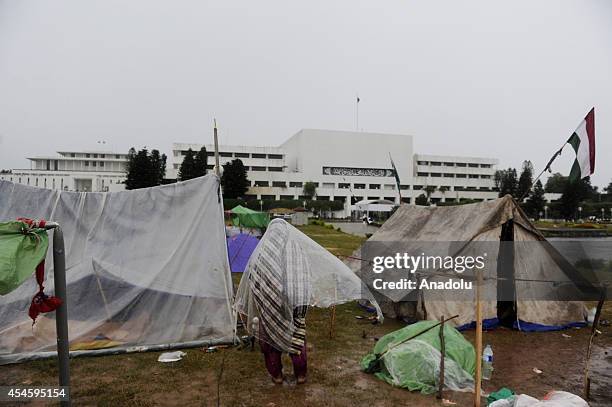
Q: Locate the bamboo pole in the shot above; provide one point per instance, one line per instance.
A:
(442, 355)
(478, 378)
(332, 322)
(587, 380)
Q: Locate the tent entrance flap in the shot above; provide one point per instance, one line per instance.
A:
(506, 310)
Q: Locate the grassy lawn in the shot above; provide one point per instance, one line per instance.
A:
(339, 243)
(586, 225)
(237, 376)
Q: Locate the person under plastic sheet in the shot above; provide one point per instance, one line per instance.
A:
(279, 279)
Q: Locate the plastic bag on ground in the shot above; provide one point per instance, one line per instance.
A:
(552, 399)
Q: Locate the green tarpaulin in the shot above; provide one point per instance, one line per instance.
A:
(20, 253)
(415, 364)
(249, 218)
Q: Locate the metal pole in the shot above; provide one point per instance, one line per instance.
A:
(61, 314)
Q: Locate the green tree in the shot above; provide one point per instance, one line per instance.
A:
(310, 189)
(556, 183)
(573, 195)
(421, 200)
(234, 179)
(608, 189)
(429, 189)
(188, 166)
(144, 169)
(525, 180)
(506, 182)
(536, 201)
(201, 162)
(158, 166)
(193, 165)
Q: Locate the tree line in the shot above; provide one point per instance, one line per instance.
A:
(573, 194)
(148, 169)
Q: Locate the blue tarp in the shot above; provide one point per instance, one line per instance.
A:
(492, 323)
(487, 324)
(533, 327)
(239, 250)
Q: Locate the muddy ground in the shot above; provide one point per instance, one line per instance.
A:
(237, 377)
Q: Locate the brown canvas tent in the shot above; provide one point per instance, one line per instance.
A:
(490, 221)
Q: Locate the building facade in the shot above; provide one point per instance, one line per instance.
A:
(83, 171)
(345, 166)
(352, 166)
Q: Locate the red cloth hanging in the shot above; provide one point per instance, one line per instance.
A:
(41, 302)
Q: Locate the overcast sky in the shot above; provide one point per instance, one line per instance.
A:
(510, 79)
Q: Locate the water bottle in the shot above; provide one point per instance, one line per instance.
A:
(487, 362)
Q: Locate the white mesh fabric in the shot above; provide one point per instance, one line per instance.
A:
(143, 267)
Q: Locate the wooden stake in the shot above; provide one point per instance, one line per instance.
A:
(442, 355)
(478, 378)
(587, 381)
(332, 322)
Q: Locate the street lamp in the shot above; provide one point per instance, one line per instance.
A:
(580, 212)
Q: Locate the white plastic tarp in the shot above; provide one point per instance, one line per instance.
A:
(318, 279)
(143, 267)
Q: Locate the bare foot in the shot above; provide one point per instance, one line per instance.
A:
(301, 379)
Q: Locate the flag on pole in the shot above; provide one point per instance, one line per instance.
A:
(583, 142)
(397, 179)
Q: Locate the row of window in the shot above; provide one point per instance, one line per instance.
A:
(246, 167)
(93, 155)
(452, 164)
(450, 175)
(241, 155)
(354, 199)
(388, 187)
(44, 183)
(94, 163)
(318, 198)
(448, 188)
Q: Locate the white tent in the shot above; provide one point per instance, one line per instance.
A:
(144, 267)
(536, 263)
(377, 205)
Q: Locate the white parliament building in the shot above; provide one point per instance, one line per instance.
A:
(352, 166)
(347, 166)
